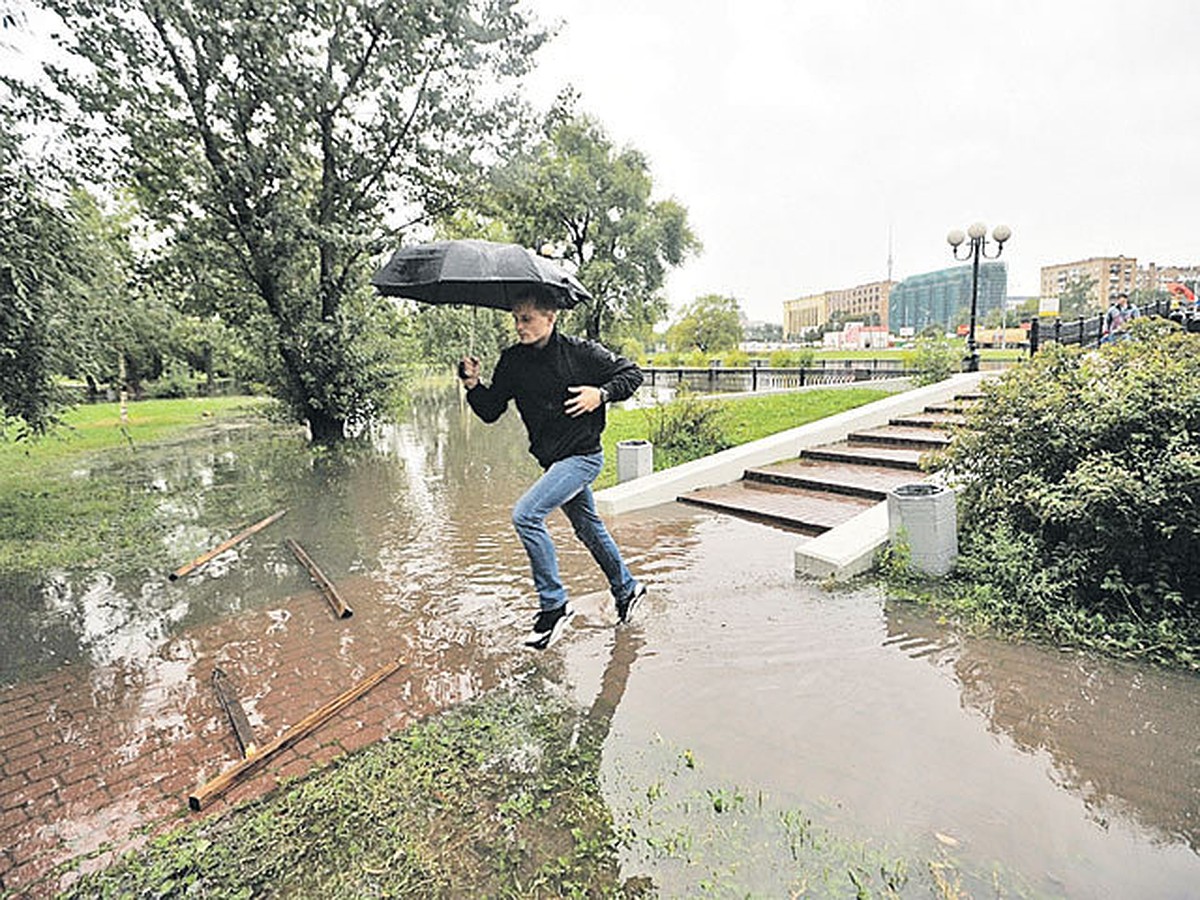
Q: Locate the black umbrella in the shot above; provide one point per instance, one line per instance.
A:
(475, 273)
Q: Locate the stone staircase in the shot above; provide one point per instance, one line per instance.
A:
(831, 483)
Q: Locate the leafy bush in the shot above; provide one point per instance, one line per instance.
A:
(793, 359)
(1079, 495)
(173, 385)
(935, 359)
(686, 428)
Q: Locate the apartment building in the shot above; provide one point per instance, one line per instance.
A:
(1153, 277)
(866, 303)
(1109, 276)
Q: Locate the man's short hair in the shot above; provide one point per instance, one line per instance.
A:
(538, 299)
(1122, 295)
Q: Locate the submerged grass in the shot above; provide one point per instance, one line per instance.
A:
(504, 797)
(81, 496)
(97, 427)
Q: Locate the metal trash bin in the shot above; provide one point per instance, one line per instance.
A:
(927, 515)
(634, 460)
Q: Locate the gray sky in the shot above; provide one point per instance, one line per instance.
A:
(798, 132)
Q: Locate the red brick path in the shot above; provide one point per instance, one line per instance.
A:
(96, 760)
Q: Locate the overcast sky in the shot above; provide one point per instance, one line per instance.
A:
(798, 133)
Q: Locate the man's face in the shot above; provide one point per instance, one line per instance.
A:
(533, 325)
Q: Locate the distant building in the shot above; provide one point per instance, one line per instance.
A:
(804, 314)
(865, 303)
(938, 298)
(1109, 275)
(857, 336)
(1153, 277)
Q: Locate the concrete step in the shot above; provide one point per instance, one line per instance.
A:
(869, 454)
(902, 436)
(954, 407)
(931, 420)
(807, 511)
(855, 479)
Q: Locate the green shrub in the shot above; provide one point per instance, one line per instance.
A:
(1079, 484)
(686, 428)
(793, 359)
(935, 359)
(173, 385)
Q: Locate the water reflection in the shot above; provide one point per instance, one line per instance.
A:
(1123, 738)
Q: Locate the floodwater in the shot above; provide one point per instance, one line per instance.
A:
(1020, 770)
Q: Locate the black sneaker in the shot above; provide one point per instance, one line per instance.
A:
(625, 607)
(548, 627)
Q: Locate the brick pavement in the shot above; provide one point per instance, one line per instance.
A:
(96, 760)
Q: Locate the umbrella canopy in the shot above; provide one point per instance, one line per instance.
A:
(475, 273)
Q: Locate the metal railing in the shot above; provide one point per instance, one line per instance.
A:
(1089, 330)
(719, 379)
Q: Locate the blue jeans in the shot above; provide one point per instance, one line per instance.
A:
(567, 484)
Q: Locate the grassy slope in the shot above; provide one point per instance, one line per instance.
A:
(744, 419)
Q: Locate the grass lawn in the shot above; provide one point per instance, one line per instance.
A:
(1012, 354)
(94, 427)
(51, 516)
(743, 419)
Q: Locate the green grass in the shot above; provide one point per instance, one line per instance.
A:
(743, 419)
(78, 497)
(1010, 353)
(96, 427)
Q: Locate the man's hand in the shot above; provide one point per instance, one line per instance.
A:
(586, 399)
(468, 371)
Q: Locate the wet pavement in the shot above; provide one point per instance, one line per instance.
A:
(1052, 773)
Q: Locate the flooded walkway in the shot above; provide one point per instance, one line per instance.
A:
(1051, 773)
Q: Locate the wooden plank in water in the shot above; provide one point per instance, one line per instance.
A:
(233, 709)
(340, 608)
(221, 548)
(243, 770)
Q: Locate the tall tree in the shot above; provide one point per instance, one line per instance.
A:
(38, 240)
(711, 323)
(1079, 298)
(575, 191)
(288, 134)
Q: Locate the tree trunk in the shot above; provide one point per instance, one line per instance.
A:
(325, 429)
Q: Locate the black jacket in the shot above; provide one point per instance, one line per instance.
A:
(538, 378)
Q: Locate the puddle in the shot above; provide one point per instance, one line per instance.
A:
(1054, 773)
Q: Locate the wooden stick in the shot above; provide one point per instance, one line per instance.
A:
(239, 772)
(331, 593)
(236, 539)
(237, 716)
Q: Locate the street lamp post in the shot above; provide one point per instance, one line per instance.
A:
(976, 249)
